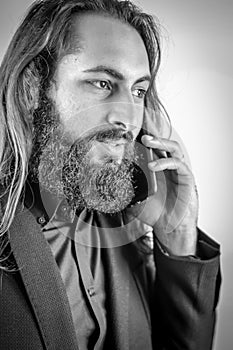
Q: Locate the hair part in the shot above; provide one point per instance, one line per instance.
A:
(43, 37)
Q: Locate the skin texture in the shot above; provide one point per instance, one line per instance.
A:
(102, 84)
(78, 94)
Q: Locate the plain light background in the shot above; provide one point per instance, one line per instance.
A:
(196, 86)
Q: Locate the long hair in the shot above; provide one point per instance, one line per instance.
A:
(28, 65)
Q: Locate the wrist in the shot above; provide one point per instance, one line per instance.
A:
(180, 242)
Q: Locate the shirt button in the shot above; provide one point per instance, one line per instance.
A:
(64, 209)
(91, 291)
(41, 220)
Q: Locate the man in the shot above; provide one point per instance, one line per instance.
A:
(81, 124)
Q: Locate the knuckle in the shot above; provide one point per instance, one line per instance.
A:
(176, 144)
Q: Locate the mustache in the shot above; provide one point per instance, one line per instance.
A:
(113, 134)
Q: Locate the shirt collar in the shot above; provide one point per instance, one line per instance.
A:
(45, 206)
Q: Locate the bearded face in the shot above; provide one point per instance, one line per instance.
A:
(94, 172)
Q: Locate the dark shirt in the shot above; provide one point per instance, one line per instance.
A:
(81, 270)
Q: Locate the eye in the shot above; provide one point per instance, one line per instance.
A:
(140, 93)
(101, 84)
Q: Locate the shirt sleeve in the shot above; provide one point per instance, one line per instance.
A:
(185, 296)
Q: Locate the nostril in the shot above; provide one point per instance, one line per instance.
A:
(121, 125)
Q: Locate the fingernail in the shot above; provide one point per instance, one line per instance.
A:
(152, 165)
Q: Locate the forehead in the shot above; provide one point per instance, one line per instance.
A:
(101, 39)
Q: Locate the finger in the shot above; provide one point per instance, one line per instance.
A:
(170, 146)
(152, 175)
(170, 164)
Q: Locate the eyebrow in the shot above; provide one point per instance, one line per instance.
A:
(115, 74)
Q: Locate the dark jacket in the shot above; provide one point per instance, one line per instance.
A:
(175, 310)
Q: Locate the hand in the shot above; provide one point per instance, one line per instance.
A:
(173, 209)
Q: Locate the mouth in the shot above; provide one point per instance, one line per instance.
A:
(114, 148)
(108, 149)
(115, 143)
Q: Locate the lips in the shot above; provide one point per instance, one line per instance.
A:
(115, 143)
(108, 150)
(114, 148)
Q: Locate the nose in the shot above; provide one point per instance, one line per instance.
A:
(125, 115)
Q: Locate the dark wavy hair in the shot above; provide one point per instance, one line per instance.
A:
(28, 65)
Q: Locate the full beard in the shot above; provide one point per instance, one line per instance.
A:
(67, 172)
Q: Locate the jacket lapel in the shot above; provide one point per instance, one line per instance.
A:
(43, 283)
(127, 299)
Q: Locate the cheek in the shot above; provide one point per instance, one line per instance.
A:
(67, 105)
(138, 125)
(71, 111)
(141, 118)
(82, 120)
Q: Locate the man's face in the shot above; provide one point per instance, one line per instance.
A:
(103, 83)
(100, 87)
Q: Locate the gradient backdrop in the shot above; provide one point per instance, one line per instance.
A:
(196, 86)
